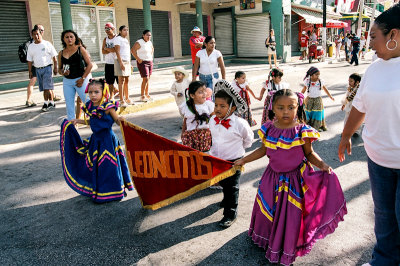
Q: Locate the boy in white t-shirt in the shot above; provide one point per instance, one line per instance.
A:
(179, 86)
(231, 135)
(41, 54)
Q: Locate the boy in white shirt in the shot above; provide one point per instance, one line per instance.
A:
(179, 86)
(230, 136)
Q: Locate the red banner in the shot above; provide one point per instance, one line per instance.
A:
(164, 171)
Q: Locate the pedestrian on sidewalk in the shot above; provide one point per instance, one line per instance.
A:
(122, 65)
(338, 44)
(75, 66)
(95, 167)
(270, 43)
(42, 55)
(29, 90)
(196, 42)
(180, 85)
(108, 49)
(143, 51)
(271, 85)
(377, 102)
(207, 61)
(347, 101)
(314, 106)
(242, 87)
(197, 112)
(303, 45)
(294, 205)
(355, 48)
(231, 135)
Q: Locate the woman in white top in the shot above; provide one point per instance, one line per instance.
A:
(377, 104)
(143, 51)
(206, 63)
(122, 65)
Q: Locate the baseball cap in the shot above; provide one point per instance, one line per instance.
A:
(109, 25)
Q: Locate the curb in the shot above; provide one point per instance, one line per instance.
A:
(144, 106)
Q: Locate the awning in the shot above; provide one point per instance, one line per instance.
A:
(313, 17)
(354, 17)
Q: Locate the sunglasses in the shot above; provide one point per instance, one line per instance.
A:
(108, 28)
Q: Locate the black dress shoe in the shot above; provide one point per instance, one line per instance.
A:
(226, 222)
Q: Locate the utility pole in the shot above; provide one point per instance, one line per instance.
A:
(370, 25)
(360, 18)
(324, 28)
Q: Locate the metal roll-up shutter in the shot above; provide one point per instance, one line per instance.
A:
(251, 34)
(160, 34)
(14, 31)
(223, 33)
(295, 35)
(188, 21)
(83, 25)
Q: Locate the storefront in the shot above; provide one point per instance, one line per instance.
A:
(15, 29)
(88, 22)
(223, 30)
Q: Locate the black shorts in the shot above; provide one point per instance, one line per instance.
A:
(109, 74)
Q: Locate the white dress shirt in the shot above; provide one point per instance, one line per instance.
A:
(230, 144)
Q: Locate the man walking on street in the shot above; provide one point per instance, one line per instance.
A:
(41, 54)
(303, 45)
(355, 45)
(109, 56)
(32, 81)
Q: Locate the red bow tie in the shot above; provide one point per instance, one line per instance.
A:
(224, 122)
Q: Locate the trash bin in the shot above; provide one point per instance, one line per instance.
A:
(330, 50)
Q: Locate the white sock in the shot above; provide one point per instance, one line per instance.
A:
(46, 102)
(52, 102)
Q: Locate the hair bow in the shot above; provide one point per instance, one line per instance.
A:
(300, 96)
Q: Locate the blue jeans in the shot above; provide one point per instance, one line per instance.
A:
(385, 187)
(354, 56)
(70, 90)
(207, 79)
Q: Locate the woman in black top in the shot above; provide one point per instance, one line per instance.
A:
(75, 66)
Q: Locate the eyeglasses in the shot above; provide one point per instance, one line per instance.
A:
(108, 28)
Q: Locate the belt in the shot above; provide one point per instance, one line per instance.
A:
(43, 67)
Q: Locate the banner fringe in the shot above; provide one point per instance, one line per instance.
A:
(194, 189)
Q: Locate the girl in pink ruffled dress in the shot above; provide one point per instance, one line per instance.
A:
(294, 205)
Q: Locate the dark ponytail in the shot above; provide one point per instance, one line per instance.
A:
(207, 40)
(389, 19)
(193, 87)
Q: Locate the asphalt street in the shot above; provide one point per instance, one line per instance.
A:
(44, 222)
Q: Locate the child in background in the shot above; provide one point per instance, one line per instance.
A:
(347, 101)
(272, 84)
(242, 88)
(180, 85)
(294, 205)
(95, 167)
(231, 135)
(197, 112)
(209, 93)
(314, 105)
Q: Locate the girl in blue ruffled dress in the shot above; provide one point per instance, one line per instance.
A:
(95, 167)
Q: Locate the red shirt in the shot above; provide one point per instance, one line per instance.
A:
(304, 41)
(193, 41)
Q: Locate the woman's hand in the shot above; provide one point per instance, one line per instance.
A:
(139, 60)
(122, 66)
(343, 146)
(74, 121)
(64, 73)
(79, 82)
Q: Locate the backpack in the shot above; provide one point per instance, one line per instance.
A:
(23, 50)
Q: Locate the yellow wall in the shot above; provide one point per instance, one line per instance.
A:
(40, 14)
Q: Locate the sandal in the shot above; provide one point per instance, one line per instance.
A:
(143, 99)
(128, 101)
(30, 104)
